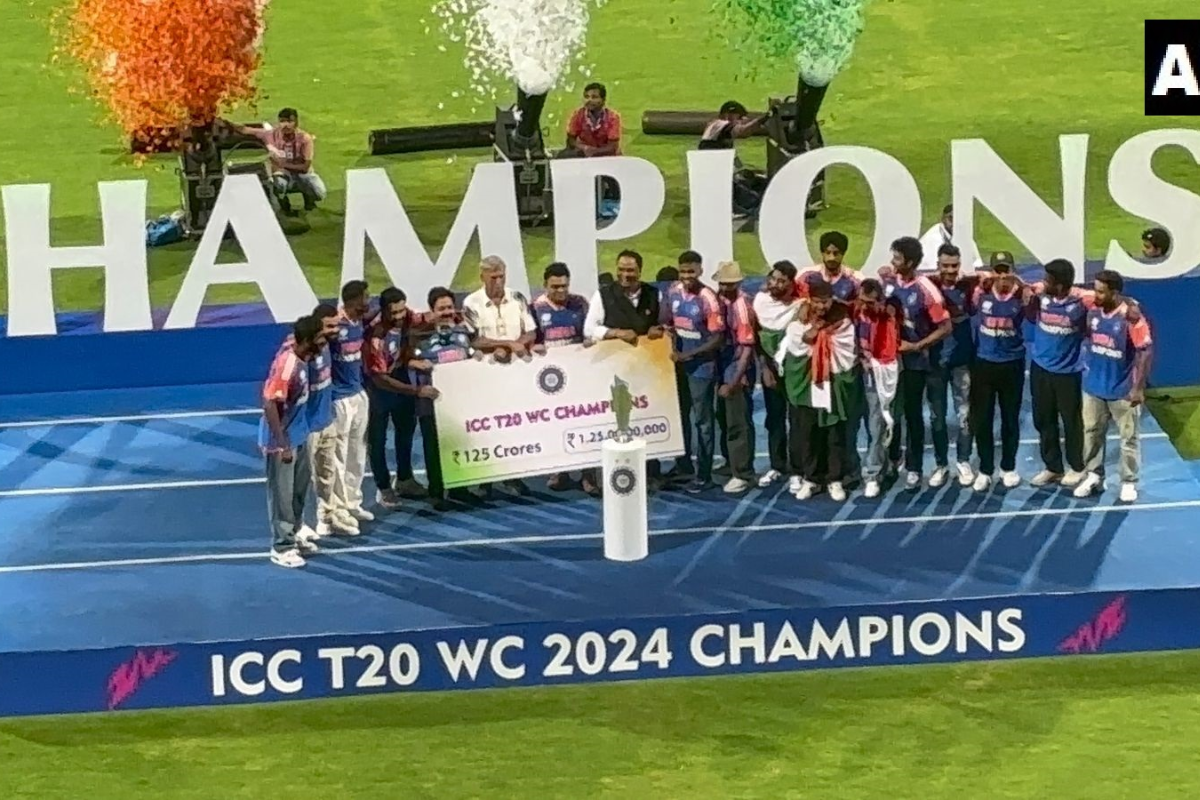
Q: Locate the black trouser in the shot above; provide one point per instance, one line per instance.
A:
(994, 383)
(916, 389)
(737, 431)
(776, 405)
(1058, 396)
(403, 418)
(818, 451)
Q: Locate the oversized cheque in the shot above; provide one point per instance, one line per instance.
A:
(552, 413)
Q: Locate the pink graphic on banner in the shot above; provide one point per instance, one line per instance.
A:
(127, 678)
(1104, 627)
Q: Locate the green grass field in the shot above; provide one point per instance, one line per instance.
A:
(1094, 728)
(1017, 73)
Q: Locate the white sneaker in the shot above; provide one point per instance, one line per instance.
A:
(769, 477)
(966, 475)
(1128, 493)
(1072, 478)
(871, 489)
(1089, 485)
(736, 486)
(837, 492)
(1010, 479)
(287, 558)
(982, 482)
(939, 476)
(306, 532)
(341, 522)
(806, 490)
(1045, 478)
(361, 514)
(912, 481)
(307, 544)
(794, 484)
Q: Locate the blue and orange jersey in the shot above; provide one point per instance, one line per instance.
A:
(1114, 341)
(559, 325)
(695, 318)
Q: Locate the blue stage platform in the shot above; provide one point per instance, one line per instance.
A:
(134, 574)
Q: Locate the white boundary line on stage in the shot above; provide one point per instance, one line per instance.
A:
(50, 423)
(504, 541)
(55, 491)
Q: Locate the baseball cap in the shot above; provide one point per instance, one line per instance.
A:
(1002, 257)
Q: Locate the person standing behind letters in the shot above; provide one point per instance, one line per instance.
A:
(350, 411)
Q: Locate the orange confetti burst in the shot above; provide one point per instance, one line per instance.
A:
(158, 65)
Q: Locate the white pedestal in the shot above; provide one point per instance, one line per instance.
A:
(626, 528)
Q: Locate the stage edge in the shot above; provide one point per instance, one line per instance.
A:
(547, 653)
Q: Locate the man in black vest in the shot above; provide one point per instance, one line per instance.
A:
(625, 309)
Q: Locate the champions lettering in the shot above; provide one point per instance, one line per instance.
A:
(376, 219)
(930, 634)
(1055, 324)
(541, 654)
(532, 417)
(997, 326)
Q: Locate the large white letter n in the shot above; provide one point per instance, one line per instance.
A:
(31, 258)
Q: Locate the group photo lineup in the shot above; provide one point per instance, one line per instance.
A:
(363, 355)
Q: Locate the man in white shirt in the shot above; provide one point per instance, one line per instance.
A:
(500, 320)
(943, 233)
(775, 307)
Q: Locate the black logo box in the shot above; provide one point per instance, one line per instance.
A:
(1160, 34)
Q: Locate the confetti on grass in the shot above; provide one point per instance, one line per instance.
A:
(533, 43)
(818, 34)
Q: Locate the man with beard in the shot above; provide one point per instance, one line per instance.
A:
(954, 368)
(735, 401)
(692, 314)
(817, 358)
(1114, 384)
(775, 307)
(925, 324)
(1059, 311)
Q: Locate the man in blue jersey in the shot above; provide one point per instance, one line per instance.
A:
(283, 439)
(560, 318)
(692, 314)
(350, 408)
(1059, 312)
(322, 436)
(958, 353)
(925, 325)
(998, 373)
(391, 390)
(1114, 384)
(449, 341)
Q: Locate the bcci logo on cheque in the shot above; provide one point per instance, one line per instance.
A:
(623, 481)
(1172, 67)
(551, 380)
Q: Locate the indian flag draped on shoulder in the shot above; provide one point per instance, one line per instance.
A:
(820, 374)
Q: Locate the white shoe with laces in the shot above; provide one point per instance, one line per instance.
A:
(966, 475)
(837, 492)
(769, 477)
(1010, 479)
(1045, 478)
(344, 524)
(287, 558)
(736, 486)
(982, 482)
(1072, 478)
(1088, 485)
(938, 479)
(1129, 493)
(362, 515)
(794, 484)
(871, 489)
(912, 481)
(806, 490)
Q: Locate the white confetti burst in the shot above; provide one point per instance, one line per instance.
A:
(533, 43)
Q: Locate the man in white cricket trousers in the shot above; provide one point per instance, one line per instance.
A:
(349, 413)
(322, 436)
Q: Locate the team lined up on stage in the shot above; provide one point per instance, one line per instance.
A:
(833, 353)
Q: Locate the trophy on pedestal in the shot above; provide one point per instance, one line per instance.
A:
(626, 526)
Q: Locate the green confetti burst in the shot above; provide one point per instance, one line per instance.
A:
(818, 34)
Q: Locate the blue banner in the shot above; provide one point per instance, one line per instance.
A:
(538, 654)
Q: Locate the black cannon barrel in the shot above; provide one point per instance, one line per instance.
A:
(455, 136)
(680, 123)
